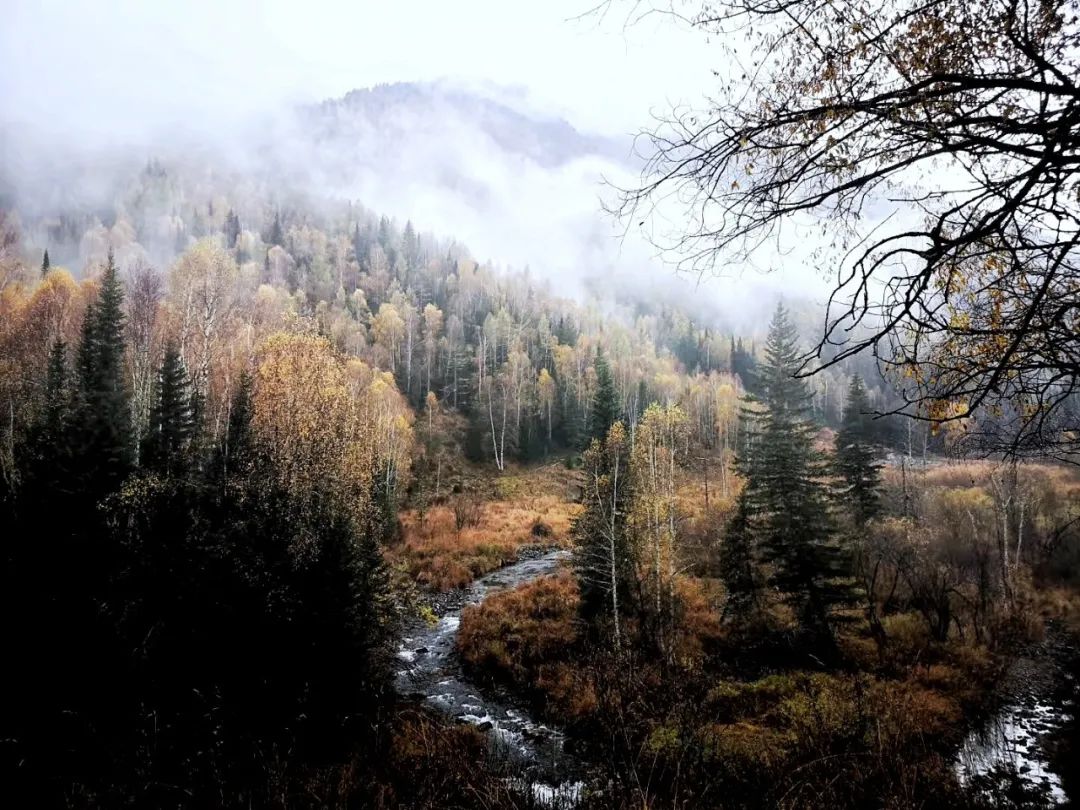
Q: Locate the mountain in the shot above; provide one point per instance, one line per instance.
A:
(394, 114)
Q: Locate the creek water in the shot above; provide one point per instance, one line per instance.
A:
(1029, 737)
(431, 670)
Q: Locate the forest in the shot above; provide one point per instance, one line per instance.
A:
(305, 506)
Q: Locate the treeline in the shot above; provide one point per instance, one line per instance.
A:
(198, 609)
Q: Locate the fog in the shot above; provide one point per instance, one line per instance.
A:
(514, 127)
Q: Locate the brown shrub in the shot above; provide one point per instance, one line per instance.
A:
(467, 509)
(433, 764)
(540, 529)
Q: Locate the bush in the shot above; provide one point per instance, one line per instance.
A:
(908, 638)
(540, 529)
(468, 509)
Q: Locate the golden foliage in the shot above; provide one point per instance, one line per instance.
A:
(330, 425)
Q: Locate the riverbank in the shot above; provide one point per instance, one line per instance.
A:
(863, 732)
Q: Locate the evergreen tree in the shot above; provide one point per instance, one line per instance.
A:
(360, 246)
(232, 229)
(605, 405)
(784, 496)
(172, 418)
(744, 365)
(738, 569)
(57, 394)
(855, 458)
(103, 419)
(237, 452)
(50, 442)
(643, 400)
(276, 234)
(410, 246)
(45, 264)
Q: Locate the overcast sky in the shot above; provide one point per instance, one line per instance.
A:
(138, 64)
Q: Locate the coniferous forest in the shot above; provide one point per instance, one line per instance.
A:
(303, 504)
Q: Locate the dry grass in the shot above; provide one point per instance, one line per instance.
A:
(528, 508)
(526, 637)
(977, 473)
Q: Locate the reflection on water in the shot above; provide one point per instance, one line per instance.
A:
(1011, 742)
(1015, 747)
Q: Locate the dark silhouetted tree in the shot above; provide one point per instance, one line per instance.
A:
(172, 418)
(605, 404)
(856, 462)
(103, 415)
(738, 568)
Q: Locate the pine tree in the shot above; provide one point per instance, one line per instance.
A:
(172, 420)
(359, 246)
(744, 365)
(50, 445)
(103, 420)
(605, 406)
(234, 456)
(410, 246)
(45, 264)
(855, 458)
(276, 235)
(232, 229)
(784, 496)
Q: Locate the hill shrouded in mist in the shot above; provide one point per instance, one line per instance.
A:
(520, 186)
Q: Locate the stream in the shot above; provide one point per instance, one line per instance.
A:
(432, 672)
(1028, 741)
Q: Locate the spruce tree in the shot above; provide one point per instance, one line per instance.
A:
(57, 394)
(605, 405)
(238, 436)
(103, 420)
(276, 235)
(172, 420)
(231, 229)
(784, 494)
(50, 443)
(45, 264)
(738, 568)
(855, 458)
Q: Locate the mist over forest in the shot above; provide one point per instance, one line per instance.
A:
(630, 406)
(477, 165)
